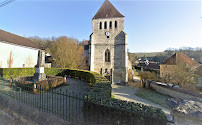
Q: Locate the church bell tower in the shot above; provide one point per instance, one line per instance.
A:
(108, 44)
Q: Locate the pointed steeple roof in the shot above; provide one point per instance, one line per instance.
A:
(107, 10)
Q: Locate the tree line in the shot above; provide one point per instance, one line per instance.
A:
(66, 52)
(195, 53)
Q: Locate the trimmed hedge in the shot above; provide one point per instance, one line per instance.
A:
(16, 72)
(87, 76)
(113, 116)
(131, 107)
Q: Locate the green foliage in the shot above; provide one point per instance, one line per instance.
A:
(130, 107)
(87, 76)
(100, 91)
(16, 72)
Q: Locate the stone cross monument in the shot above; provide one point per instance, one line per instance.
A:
(39, 74)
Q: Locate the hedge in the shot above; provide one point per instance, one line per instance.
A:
(16, 72)
(87, 76)
(126, 106)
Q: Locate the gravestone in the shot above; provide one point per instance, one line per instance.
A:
(39, 74)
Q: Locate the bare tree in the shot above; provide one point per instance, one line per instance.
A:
(10, 60)
(184, 75)
(29, 61)
(66, 52)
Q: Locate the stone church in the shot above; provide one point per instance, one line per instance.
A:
(107, 48)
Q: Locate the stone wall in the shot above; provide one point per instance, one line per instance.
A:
(166, 70)
(176, 92)
(180, 119)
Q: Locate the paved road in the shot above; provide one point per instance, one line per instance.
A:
(127, 93)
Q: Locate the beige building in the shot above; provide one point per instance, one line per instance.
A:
(178, 59)
(108, 44)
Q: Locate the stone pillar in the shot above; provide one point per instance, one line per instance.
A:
(92, 57)
(34, 88)
(143, 83)
(148, 81)
(11, 80)
(65, 80)
(39, 74)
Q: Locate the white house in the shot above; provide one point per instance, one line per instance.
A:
(17, 51)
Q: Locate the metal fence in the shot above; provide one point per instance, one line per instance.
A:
(69, 106)
(58, 102)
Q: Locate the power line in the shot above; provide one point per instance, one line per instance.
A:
(6, 2)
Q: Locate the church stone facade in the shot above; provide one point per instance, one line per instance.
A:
(108, 44)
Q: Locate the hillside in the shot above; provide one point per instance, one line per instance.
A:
(195, 53)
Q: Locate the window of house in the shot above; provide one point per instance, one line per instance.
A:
(105, 25)
(107, 56)
(100, 25)
(110, 25)
(116, 24)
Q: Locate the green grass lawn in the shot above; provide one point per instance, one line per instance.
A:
(154, 96)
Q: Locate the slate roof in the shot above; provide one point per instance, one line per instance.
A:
(107, 10)
(150, 65)
(180, 58)
(15, 39)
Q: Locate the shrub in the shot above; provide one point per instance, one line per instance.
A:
(148, 75)
(16, 72)
(124, 106)
(87, 76)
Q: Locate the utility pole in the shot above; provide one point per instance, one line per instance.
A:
(6, 2)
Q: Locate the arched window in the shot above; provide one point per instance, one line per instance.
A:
(116, 24)
(105, 25)
(107, 56)
(100, 25)
(110, 25)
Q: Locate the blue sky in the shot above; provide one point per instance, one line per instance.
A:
(151, 25)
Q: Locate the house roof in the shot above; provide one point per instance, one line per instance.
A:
(15, 39)
(180, 58)
(150, 65)
(107, 10)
